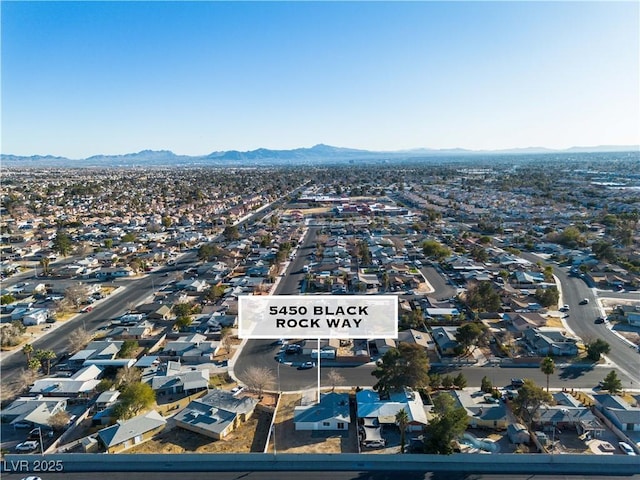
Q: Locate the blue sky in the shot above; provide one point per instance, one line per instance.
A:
(85, 78)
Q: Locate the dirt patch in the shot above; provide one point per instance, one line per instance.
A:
(554, 322)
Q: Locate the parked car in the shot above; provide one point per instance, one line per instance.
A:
(600, 320)
(626, 448)
(306, 365)
(379, 443)
(517, 382)
(293, 348)
(584, 301)
(35, 434)
(28, 446)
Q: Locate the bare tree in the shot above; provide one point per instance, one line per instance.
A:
(335, 378)
(77, 293)
(258, 379)
(79, 339)
(127, 376)
(59, 420)
(225, 339)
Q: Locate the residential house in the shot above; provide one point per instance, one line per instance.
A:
(96, 350)
(332, 413)
(106, 399)
(424, 339)
(483, 410)
(522, 321)
(631, 314)
(623, 415)
(136, 332)
(550, 341)
(371, 406)
(155, 311)
(33, 411)
(126, 434)
(35, 316)
(80, 385)
(191, 349)
(445, 338)
(216, 414)
(176, 382)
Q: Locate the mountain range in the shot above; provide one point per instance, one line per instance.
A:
(317, 154)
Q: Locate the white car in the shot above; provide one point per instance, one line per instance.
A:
(27, 446)
(626, 448)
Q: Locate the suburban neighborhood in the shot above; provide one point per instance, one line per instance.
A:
(517, 291)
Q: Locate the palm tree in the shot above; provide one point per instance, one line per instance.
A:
(548, 366)
(44, 263)
(28, 350)
(34, 364)
(402, 419)
(45, 357)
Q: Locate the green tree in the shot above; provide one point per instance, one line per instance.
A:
(482, 297)
(612, 383)
(231, 232)
(435, 380)
(468, 334)
(215, 292)
(449, 423)
(108, 243)
(402, 420)
(459, 381)
(134, 398)
(548, 366)
(596, 349)
(364, 254)
(62, 243)
(434, 249)
(128, 348)
(128, 237)
(529, 400)
(404, 366)
(166, 222)
(6, 299)
(547, 296)
(486, 386)
(447, 382)
(182, 309)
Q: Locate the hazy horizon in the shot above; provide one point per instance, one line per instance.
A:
(81, 79)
